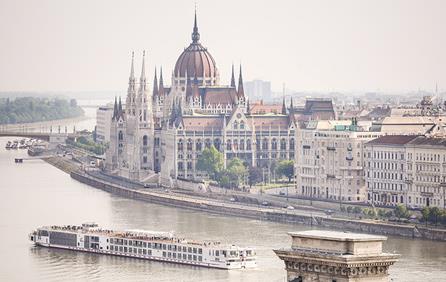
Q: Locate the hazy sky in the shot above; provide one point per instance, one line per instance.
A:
(330, 45)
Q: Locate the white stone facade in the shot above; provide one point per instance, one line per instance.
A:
(329, 163)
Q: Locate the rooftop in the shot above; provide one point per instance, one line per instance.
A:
(393, 140)
(337, 236)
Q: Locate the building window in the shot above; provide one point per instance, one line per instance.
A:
(120, 136)
(144, 140)
(242, 125)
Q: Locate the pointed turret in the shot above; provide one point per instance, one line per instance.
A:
(195, 33)
(142, 79)
(248, 108)
(283, 107)
(132, 70)
(232, 77)
(161, 85)
(115, 109)
(155, 85)
(240, 90)
(291, 112)
(120, 111)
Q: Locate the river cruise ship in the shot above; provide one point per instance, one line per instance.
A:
(151, 245)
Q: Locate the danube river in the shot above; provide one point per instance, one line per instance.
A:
(35, 193)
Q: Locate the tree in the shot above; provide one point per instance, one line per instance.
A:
(349, 209)
(357, 210)
(255, 175)
(434, 214)
(211, 161)
(236, 172)
(425, 212)
(401, 211)
(286, 168)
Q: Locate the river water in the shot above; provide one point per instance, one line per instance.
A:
(34, 194)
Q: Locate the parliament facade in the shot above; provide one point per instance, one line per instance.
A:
(163, 130)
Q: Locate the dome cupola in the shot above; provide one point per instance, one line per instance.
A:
(196, 62)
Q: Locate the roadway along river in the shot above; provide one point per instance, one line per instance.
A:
(35, 193)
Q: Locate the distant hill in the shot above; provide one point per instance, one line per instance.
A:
(34, 109)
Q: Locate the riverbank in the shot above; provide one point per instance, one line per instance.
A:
(42, 125)
(248, 211)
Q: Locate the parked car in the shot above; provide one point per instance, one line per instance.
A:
(290, 207)
(265, 203)
(233, 199)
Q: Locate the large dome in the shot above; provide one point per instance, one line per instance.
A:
(196, 61)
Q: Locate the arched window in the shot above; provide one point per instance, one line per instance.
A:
(235, 144)
(180, 166)
(283, 144)
(189, 144)
(242, 125)
(120, 136)
(265, 144)
(274, 144)
(242, 145)
(180, 145)
(228, 144)
(292, 144)
(144, 140)
(235, 125)
(258, 144)
(248, 144)
(217, 143)
(207, 143)
(198, 145)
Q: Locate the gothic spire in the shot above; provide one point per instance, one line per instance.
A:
(119, 107)
(161, 85)
(155, 85)
(132, 69)
(240, 91)
(143, 68)
(283, 107)
(195, 33)
(232, 77)
(115, 109)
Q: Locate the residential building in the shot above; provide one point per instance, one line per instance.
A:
(329, 160)
(104, 116)
(409, 170)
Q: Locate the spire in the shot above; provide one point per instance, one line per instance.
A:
(161, 85)
(195, 33)
(155, 85)
(132, 69)
(115, 109)
(143, 68)
(232, 77)
(291, 105)
(283, 107)
(120, 107)
(248, 108)
(240, 90)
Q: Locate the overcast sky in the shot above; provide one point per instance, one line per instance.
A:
(330, 45)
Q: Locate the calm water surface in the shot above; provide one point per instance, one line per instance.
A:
(35, 193)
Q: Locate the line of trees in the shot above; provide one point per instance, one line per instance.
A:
(33, 109)
(237, 172)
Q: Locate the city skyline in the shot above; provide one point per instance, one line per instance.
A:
(345, 51)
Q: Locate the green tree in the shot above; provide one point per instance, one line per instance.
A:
(236, 172)
(434, 215)
(401, 211)
(425, 213)
(255, 175)
(357, 210)
(211, 161)
(286, 168)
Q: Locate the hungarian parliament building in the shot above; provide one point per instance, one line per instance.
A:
(163, 129)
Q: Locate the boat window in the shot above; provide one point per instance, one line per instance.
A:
(189, 257)
(200, 251)
(217, 253)
(200, 258)
(195, 250)
(195, 257)
(189, 250)
(184, 256)
(164, 254)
